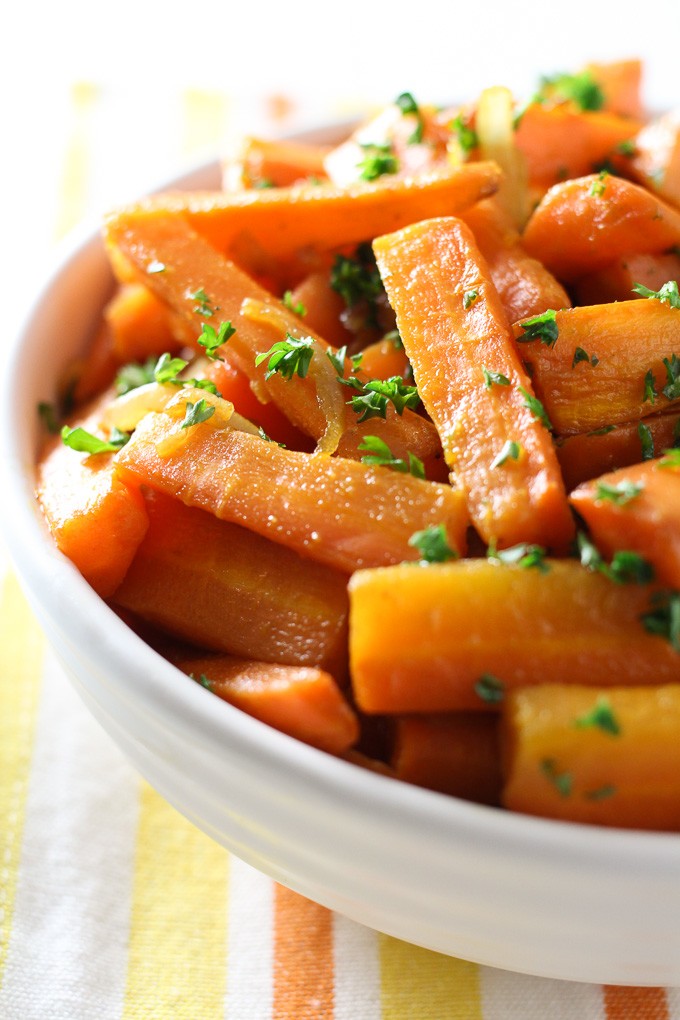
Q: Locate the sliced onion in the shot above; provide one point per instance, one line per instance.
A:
(494, 123)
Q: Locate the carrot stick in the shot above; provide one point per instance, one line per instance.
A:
(282, 221)
(462, 623)
(655, 162)
(595, 453)
(453, 329)
(524, 285)
(345, 513)
(620, 81)
(96, 518)
(263, 162)
(148, 239)
(456, 754)
(585, 224)
(139, 324)
(619, 344)
(304, 702)
(648, 522)
(224, 588)
(615, 281)
(606, 756)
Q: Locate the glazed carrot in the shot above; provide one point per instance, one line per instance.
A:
(224, 588)
(620, 82)
(585, 224)
(152, 238)
(139, 324)
(637, 508)
(263, 162)
(385, 359)
(655, 162)
(453, 329)
(524, 285)
(619, 344)
(608, 756)
(96, 370)
(96, 519)
(615, 281)
(591, 454)
(302, 701)
(323, 307)
(456, 754)
(281, 221)
(560, 142)
(344, 513)
(460, 623)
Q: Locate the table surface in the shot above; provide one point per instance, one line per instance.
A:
(111, 904)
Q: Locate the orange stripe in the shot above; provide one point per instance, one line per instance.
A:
(635, 1003)
(303, 958)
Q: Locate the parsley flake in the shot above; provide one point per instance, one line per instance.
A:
(581, 355)
(85, 442)
(599, 186)
(288, 357)
(433, 545)
(168, 368)
(562, 781)
(356, 279)
(49, 417)
(408, 105)
(196, 413)
(135, 374)
(379, 159)
(211, 339)
(204, 305)
(522, 555)
(646, 441)
(626, 147)
(465, 135)
(490, 689)
(600, 717)
(469, 298)
(581, 89)
(509, 451)
(672, 388)
(663, 618)
(372, 401)
(620, 493)
(601, 793)
(536, 408)
(668, 294)
(294, 306)
(494, 378)
(626, 567)
(649, 392)
(379, 455)
(540, 327)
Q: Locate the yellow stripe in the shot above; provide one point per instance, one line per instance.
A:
(178, 929)
(418, 983)
(21, 657)
(73, 190)
(204, 121)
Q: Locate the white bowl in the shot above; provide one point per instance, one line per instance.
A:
(540, 897)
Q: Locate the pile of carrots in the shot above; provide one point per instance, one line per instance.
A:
(381, 444)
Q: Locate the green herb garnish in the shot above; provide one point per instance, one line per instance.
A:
(536, 408)
(204, 305)
(196, 413)
(646, 441)
(663, 618)
(211, 340)
(294, 306)
(600, 717)
(581, 355)
(509, 451)
(408, 105)
(378, 454)
(494, 378)
(541, 327)
(85, 442)
(522, 555)
(668, 294)
(490, 689)
(379, 159)
(562, 781)
(469, 298)
(433, 545)
(620, 493)
(288, 357)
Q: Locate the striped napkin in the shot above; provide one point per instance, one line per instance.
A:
(112, 905)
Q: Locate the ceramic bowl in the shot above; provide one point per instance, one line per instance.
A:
(535, 896)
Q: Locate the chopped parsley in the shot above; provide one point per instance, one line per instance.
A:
(211, 340)
(626, 567)
(536, 408)
(668, 294)
(604, 431)
(357, 279)
(600, 717)
(49, 416)
(541, 327)
(522, 555)
(465, 135)
(509, 451)
(379, 159)
(433, 545)
(646, 441)
(663, 618)
(649, 392)
(375, 395)
(494, 378)
(620, 493)
(196, 413)
(85, 442)
(469, 298)
(490, 689)
(204, 305)
(203, 680)
(168, 368)
(379, 455)
(562, 781)
(599, 186)
(581, 355)
(672, 388)
(581, 89)
(625, 148)
(670, 459)
(135, 374)
(408, 105)
(294, 306)
(288, 357)
(601, 793)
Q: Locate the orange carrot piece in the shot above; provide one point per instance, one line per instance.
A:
(628, 340)
(524, 285)
(145, 238)
(281, 221)
(280, 162)
(323, 307)
(96, 519)
(456, 754)
(458, 622)
(590, 454)
(431, 271)
(139, 324)
(647, 523)
(96, 370)
(384, 359)
(620, 81)
(615, 282)
(345, 513)
(302, 701)
(585, 224)
(560, 142)
(655, 162)
(222, 587)
(605, 756)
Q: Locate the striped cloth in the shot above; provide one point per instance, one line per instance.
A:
(113, 906)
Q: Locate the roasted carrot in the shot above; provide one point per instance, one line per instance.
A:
(323, 307)
(478, 624)
(96, 518)
(620, 81)
(454, 330)
(456, 754)
(303, 701)
(225, 588)
(282, 221)
(637, 508)
(655, 162)
(524, 285)
(139, 324)
(316, 404)
(606, 365)
(615, 282)
(609, 756)
(595, 453)
(585, 224)
(261, 162)
(345, 513)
